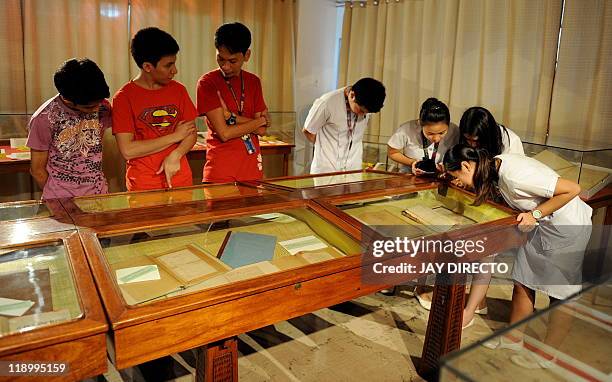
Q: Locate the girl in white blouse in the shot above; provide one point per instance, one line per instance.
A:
(428, 137)
(559, 222)
(478, 129)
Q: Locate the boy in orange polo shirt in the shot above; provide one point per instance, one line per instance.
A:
(153, 116)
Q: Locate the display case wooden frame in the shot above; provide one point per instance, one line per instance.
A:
(165, 213)
(395, 180)
(445, 319)
(80, 342)
(211, 315)
(13, 232)
(192, 320)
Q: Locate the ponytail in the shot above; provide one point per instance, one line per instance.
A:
(485, 176)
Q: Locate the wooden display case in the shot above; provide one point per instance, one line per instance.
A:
(341, 183)
(20, 221)
(125, 210)
(159, 315)
(316, 247)
(50, 311)
(430, 212)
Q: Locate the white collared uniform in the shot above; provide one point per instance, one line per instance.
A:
(551, 260)
(327, 119)
(512, 142)
(409, 138)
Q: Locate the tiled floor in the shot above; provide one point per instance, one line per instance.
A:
(373, 338)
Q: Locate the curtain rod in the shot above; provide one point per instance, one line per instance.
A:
(362, 3)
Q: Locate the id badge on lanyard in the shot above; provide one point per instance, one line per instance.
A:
(350, 130)
(246, 139)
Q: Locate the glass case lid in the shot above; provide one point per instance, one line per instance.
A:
(24, 210)
(130, 200)
(37, 288)
(564, 144)
(567, 341)
(329, 180)
(427, 211)
(161, 263)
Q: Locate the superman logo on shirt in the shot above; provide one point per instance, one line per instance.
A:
(160, 117)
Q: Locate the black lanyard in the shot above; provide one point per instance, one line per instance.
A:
(425, 145)
(240, 105)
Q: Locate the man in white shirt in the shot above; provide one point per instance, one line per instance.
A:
(336, 124)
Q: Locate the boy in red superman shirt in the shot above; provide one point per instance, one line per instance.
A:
(153, 116)
(233, 152)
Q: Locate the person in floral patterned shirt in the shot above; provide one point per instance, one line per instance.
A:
(65, 133)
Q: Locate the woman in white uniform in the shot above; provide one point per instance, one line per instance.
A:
(428, 137)
(479, 129)
(559, 222)
(421, 141)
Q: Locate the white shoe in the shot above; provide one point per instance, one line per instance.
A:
(500, 343)
(532, 361)
(387, 292)
(426, 304)
(483, 311)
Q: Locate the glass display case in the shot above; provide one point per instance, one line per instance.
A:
(591, 167)
(49, 308)
(341, 183)
(210, 277)
(428, 213)
(160, 263)
(20, 220)
(376, 153)
(569, 341)
(166, 205)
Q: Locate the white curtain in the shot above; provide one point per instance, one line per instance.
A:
(582, 96)
(496, 54)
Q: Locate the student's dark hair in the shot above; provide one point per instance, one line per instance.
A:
(369, 93)
(151, 44)
(434, 111)
(81, 81)
(235, 37)
(479, 122)
(485, 176)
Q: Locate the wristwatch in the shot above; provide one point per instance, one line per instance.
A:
(231, 120)
(537, 214)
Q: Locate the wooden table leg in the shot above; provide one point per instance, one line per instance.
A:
(285, 164)
(444, 325)
(218, 362)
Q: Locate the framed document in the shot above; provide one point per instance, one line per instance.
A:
(189, 264)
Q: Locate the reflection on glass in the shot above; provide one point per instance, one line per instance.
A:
(24, 211)
(589, 166)
(426, 212)
(566, 342)
(329, 180)
(36, 289)
(105, 203)
(166, 262)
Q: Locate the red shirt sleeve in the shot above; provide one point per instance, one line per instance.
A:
(123, 122)
(206, 97)
(189, 110)
(260, 104)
